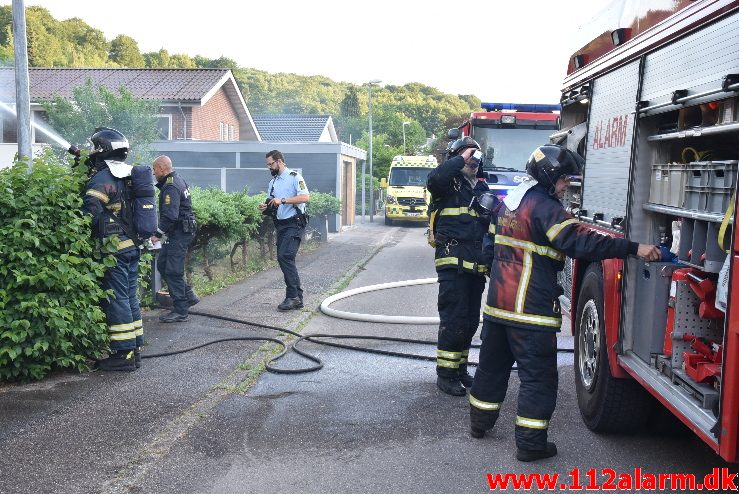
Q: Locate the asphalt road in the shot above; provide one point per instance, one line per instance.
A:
(368, 423)
(204, 422)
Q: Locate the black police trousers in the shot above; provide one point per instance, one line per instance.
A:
(288, 242)
(171, 265)
(460, 295)
(535, 353)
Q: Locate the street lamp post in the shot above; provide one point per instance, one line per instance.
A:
(404, 124)
(371, 194)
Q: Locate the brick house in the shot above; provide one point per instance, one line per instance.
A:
(196, 104)
(205, 127)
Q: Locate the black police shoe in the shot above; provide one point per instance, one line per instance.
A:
(137, 356)
(536, 454)
(122, 360)
(194, 300)
(173, 317)
(450, 386)
(290, 304)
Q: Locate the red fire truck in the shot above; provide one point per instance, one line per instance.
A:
(653, 105)
(507, 134)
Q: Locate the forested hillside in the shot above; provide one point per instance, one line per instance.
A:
(73, 43)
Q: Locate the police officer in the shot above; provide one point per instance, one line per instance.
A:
(177, 221)
(105, 200)
(288, 195)
(455, 187)
(522, 313)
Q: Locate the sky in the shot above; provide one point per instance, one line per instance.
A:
(499, 50)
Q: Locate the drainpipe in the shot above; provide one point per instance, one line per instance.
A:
(184, 121)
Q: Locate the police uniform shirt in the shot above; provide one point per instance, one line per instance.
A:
(288, 184)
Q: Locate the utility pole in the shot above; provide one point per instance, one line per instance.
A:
(371, 194)
(404, 124)
(22, 97)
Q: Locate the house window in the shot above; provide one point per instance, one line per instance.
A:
(230, 132)
(164, 127)
(220, 131)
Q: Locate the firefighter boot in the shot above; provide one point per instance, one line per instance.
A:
(450, 386)
(481, 421)
(122, 360)
(137, 356)
(536, 454)
(464, 377)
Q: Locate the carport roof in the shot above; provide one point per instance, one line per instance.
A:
(294, 128)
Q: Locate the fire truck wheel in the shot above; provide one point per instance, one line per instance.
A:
(388, 221)
(606, 404)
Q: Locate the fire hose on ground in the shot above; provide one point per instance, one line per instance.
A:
(319, 338)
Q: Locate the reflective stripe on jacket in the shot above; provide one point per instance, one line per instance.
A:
(531, 244)
(459, 229)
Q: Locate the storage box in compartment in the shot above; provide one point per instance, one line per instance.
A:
(698, 174)
(650, 309)
(667, 184)
(695, 198)
(659, 174)
(717, 200)
(723, 174)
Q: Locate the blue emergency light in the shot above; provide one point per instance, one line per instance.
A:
(522, 107)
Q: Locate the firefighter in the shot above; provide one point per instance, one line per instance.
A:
(106, 202)
(459, 228)
(522, 313)
(177, 221)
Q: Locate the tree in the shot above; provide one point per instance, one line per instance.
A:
(124, 51)
(350, 104)
(382, 153)
(98, 107)
(157, 59)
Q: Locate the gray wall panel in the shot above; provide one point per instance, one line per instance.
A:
(318, 169)
(202, 178)
(203, 159)
(255, 180)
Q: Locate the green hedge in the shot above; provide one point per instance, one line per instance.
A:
(322, 204)
(50, 314)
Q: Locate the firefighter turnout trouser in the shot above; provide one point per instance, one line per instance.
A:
(171, 265)
(460, 295)
(122, 310)
(535, 353)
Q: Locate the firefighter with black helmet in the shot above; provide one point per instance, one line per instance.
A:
(459, 222)
(105, 200)
(522, 315)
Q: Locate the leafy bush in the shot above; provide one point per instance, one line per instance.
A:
(224, 216)
(50, 314)
(322, 204)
